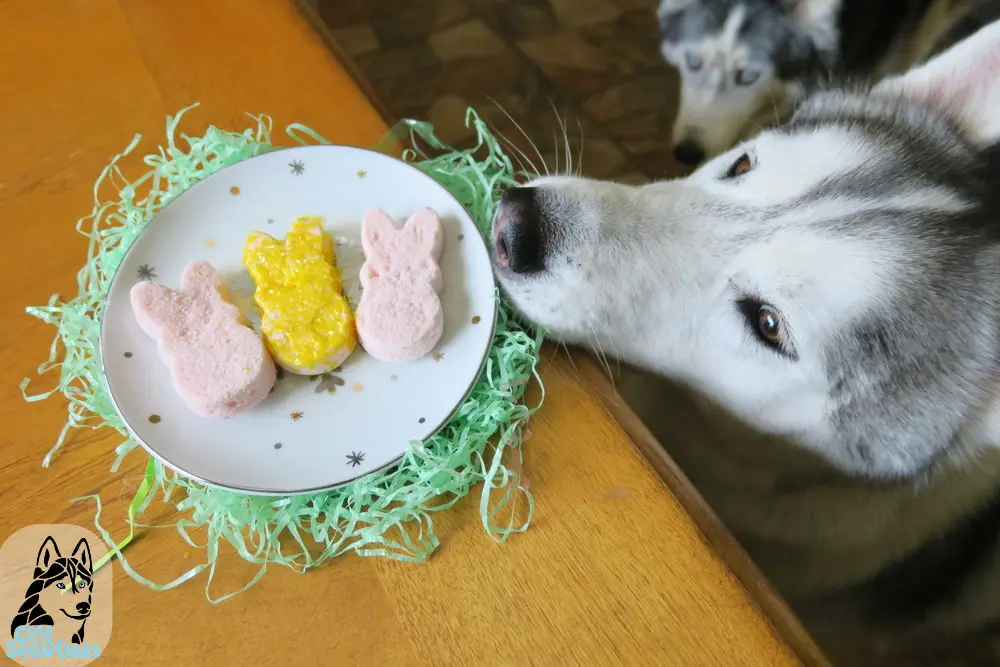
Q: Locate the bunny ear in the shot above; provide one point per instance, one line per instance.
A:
(201, 278)
(425, 227)
(260, 252)
(376, 228)
(306, 236)
(153, 303)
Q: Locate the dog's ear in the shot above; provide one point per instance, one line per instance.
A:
(81, 554)
(962, 83)
(47, 554)
(817, 19)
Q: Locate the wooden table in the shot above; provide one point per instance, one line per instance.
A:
(613, 569)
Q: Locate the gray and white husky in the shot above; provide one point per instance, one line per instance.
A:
(829, 295)
(745, 63)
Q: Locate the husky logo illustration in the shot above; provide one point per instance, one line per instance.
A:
(59, 593)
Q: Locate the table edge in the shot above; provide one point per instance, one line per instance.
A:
(317, 24)
(720, 539)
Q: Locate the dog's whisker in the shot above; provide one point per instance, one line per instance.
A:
(569, 355)
(511, 143)
(572, 361)
(568, 166)
(777, 114)
(618, 355)
(579, 162)
(520, 129)
(555, 137)
(508, 146)
(521, 153)
(512, 150)
(555, 142)
(601, 356)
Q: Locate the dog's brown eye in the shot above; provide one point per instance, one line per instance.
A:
(769, 325)
(742, 165)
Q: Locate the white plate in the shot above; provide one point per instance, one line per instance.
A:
(310, 434)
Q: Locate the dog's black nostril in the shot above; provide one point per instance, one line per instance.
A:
(519, 231)
(82, 607)
(689, 152)
(503, 256)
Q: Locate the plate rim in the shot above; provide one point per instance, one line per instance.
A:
(312, 490)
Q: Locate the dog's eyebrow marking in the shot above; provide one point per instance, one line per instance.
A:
(718, 49)
(731, 28)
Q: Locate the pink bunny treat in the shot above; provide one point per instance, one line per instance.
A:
(399, 317)
(219, 365)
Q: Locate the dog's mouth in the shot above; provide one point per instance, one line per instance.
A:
(75, 618)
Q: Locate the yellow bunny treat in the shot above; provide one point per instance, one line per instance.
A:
(306, 321)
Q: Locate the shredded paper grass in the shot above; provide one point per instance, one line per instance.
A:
(384, 514)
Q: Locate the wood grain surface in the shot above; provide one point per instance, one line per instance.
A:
(612, 571)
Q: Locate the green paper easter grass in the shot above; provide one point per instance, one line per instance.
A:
(383, 514)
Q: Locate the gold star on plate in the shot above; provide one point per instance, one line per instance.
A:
(296, 416)
(234, 190)
(362, 173)
(437, 356)
(210, 243)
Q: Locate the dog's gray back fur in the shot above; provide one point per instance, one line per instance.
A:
(856, 456)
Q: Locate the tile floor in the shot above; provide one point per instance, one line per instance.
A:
(595, 61)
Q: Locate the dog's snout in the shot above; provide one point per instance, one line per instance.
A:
(83, 607)
(689, 152)
(518, 231)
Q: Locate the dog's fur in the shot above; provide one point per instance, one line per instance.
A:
(59, 593)
(829, 326)
(745, 63)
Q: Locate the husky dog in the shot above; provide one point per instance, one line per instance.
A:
(829, 294)
(59, 593)
(744, 63)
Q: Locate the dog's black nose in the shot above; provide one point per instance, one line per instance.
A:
(518, 231)
(689, 152)
(83, 607)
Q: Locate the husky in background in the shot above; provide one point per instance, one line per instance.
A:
(823, 302)
(743, 64)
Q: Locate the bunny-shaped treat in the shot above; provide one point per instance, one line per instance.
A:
(305, 319)
(219, 365)
(399, 317)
